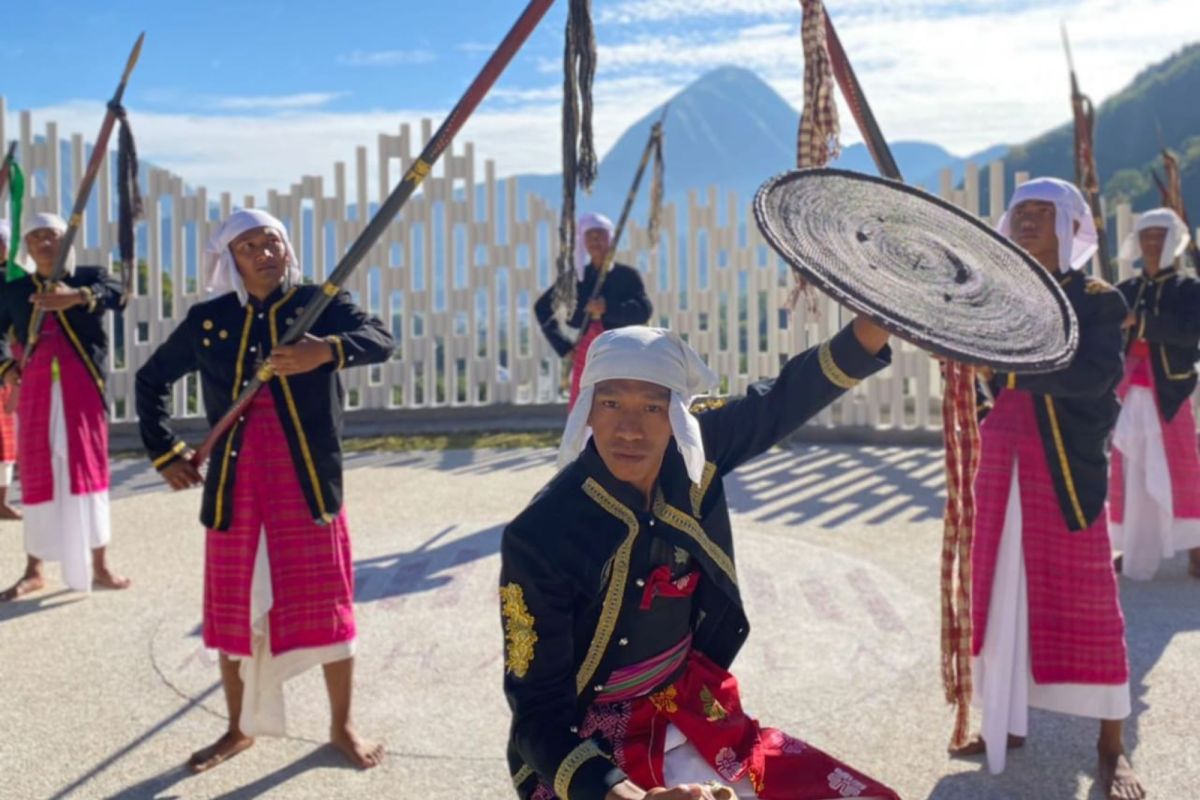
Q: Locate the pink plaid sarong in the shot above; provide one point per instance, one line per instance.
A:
(579, 358)
(312, 573)
(83, 406)
(8, 429)
(1076, 627)
(1179, 443)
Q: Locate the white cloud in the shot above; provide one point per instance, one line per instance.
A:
(251, 153)
(274, 103)
(386, 58)
(629, 12)
(964, 81)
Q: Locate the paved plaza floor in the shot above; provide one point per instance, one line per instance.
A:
(838, 552)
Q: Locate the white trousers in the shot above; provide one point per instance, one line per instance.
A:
(1150, 532)
(67, 528)
(1003, 675)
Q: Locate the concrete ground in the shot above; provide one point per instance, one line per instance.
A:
(838, 548)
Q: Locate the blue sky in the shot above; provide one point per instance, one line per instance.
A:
(249, 96)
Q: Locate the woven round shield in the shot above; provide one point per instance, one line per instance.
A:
(925, 270)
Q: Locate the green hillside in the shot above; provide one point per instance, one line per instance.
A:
(1164, 96)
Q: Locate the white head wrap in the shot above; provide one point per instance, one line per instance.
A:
(654, 355)
(1176, 242)
(588, 222)
(1075, 248)
(41, 222)
(218, 259)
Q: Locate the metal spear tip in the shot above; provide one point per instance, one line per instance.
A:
(133, 57)
(1067, 44)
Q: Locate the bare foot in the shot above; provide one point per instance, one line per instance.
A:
(976, 746)
(1118, 779)
(360, 752)
(107, 579)
(27, 585)
(8, 512)
(225, 748)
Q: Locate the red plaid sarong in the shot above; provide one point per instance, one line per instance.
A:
(312, 574)
(8, 428)
(1076, 628)
(579, 358)
(704, 704)
(83, 406)
(1179, 442)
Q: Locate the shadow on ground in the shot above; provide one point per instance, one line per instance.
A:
(423, 569)
(1155, 613)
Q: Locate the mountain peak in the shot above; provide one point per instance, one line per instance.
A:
(729, 129)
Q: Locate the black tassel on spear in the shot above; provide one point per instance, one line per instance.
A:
(99, 150)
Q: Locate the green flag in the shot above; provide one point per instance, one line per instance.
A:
(16, 194)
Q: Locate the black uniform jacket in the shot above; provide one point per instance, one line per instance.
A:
(624, 297)
(569, 600)
(1077, 406)
(84, 325)
(225, 341)
(1168, 318)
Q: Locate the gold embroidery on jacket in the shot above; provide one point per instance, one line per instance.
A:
(519, 634)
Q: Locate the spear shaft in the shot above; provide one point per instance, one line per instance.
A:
(84, 193)
(656, 132)
(412, 179)
(1087, 177)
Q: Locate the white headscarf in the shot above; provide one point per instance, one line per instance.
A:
(41, 222)
(219, 263)
(588, 222)
(1176, 242)
(654, 355)
(1075, 248)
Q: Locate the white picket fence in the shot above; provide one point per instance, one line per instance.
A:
(457, 273)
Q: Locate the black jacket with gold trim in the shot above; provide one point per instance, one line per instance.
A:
(1168, 318)
(225, 341)
(624, 296)
(83, 324)
(1077, 406)
(568, 598)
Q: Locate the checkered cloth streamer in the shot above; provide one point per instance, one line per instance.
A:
(817, 140)
(961, 433)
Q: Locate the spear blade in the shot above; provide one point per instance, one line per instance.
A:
(84, 192)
